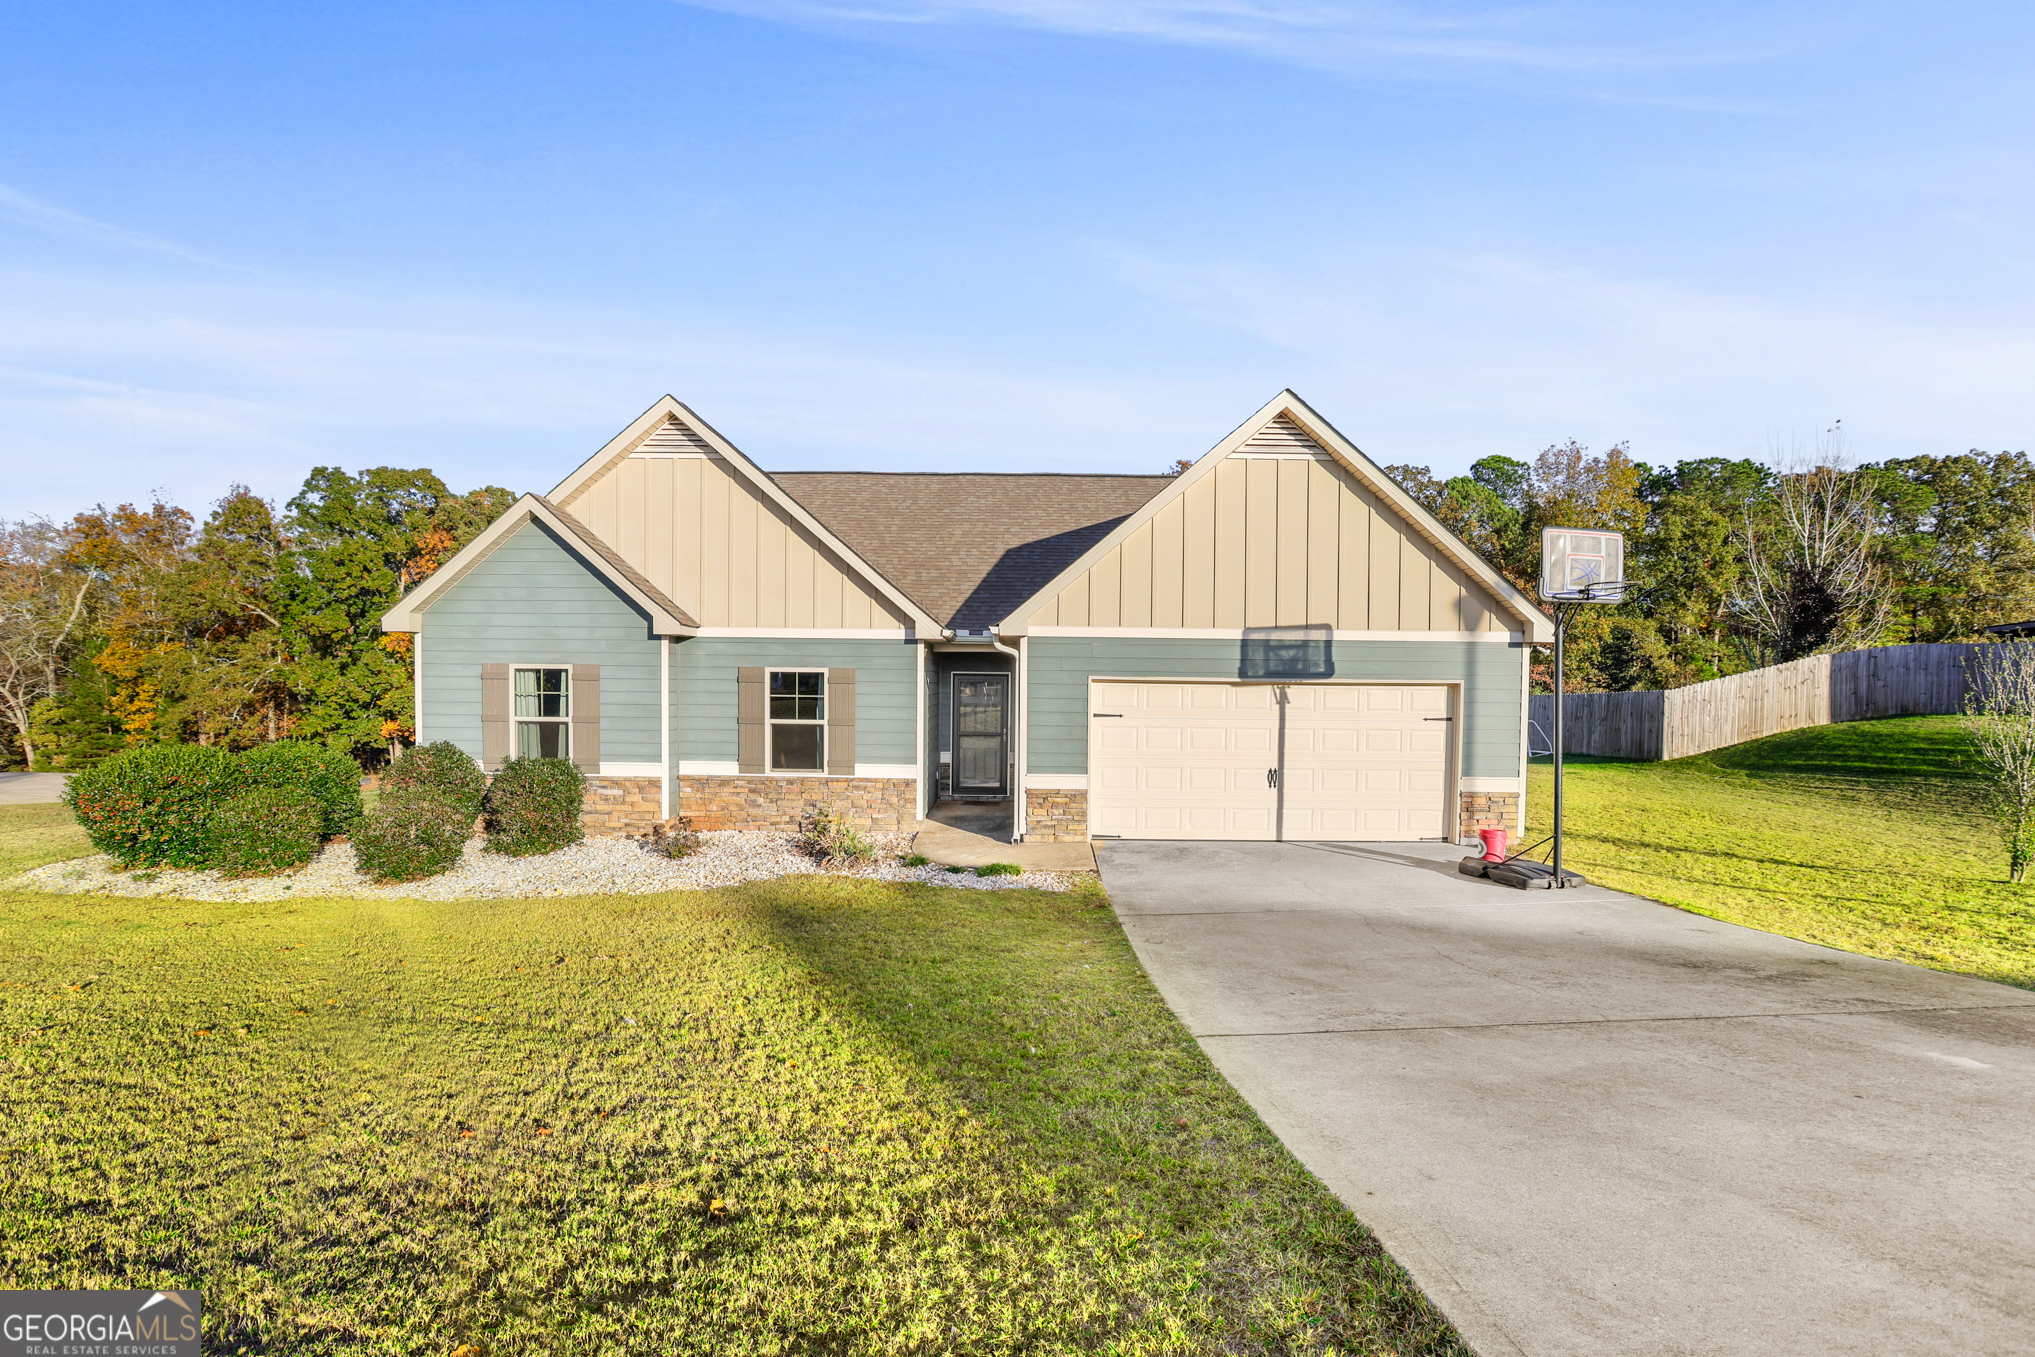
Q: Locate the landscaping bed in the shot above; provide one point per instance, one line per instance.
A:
(806, 1115)
(606, 866)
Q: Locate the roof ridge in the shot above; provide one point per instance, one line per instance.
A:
(1085, 475)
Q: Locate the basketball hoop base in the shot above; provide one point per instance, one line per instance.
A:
(1527, 875)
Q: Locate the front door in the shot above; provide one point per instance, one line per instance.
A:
(981, 745)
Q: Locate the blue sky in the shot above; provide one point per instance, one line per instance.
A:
(238, 240)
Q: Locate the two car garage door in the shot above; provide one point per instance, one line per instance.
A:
(1268, 761)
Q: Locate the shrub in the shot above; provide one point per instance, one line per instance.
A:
(534, 806)
(830, 834)
(410, 835)
(441, 771)
(266, 829)
(916, 860)
(999, 869)
(150, 806)
(676, 838)
(330, 778)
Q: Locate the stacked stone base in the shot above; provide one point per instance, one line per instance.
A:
(882, 804)
(620, 805)
(1488, 810)
(1056, 816)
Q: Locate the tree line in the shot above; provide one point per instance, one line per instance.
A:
(1737, 565)
(138, 624)
(134, 625)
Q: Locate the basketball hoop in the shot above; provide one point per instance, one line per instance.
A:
(1578, 566)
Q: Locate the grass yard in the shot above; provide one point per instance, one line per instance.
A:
(1864, 836)
(807, 1116)
(31, 836)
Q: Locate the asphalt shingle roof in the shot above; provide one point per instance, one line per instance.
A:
(968, 547)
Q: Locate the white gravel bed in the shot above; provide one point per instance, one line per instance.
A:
(590, 867)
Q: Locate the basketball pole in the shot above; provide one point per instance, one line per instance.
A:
(1561, 625)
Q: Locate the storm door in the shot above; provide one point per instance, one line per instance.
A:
(981, 736)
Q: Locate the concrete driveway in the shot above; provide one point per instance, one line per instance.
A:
(21, 789)
(1591, 1124)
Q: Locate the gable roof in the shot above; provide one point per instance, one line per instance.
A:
(969, 546)
(698, 433)
(1290, 420)
(666, 617)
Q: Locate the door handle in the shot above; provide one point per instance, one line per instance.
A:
(1271, 777)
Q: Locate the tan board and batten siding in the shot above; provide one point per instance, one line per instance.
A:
(700, 532)
(1213, 557)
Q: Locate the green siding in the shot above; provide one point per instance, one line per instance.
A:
(703, 691)
(536, 599)
(1060, 667)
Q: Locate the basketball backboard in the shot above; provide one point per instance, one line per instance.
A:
(1582, 565)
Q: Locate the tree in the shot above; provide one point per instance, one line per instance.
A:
(44, 612)
(1811, 582)
(2000, 722)
(1957, 541)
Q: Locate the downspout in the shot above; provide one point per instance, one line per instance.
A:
(1022, 727)
(664, 724)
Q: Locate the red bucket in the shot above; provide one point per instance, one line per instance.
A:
(1494, 844)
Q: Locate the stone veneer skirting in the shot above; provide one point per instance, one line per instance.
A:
(1056, 816)
(621, 805)
(884, 804)
(1488, 810)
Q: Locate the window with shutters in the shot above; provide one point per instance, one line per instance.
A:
(543, 713)
(798, 720)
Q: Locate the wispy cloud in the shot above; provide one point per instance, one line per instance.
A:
(1330, 34)
(26, 210)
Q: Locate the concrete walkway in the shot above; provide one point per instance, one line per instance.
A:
(1591, 1124)
(23, 789)
(976, 833)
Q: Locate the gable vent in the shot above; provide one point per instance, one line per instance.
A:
(1281, 438)
(673, 439)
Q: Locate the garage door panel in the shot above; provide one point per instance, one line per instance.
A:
(1188, 760)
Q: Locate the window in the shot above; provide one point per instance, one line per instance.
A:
(798, 715)
(543, 713)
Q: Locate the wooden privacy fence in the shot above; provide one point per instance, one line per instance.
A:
(1856, 685)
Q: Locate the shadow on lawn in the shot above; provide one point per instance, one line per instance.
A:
(1030, 1009)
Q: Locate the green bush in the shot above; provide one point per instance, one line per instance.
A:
(534, 806)
(442, 771)
(151, 806)
(330, 778)
(409, 835)
(266, 829)
(831, 835)
(999, 869)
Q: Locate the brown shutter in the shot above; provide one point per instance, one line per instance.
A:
(751, 707)
(495, 726)
(841, 722)
(586, 717)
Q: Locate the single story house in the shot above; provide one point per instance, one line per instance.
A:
(1277, 643)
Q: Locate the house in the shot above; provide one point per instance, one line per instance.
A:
(1276, 643)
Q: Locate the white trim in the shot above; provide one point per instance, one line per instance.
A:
(655, 770)
(810, 633)
(1021, 782)
(664, 728)
(1282, 456)
(1492, 784)
(1058, 782)
(921, 661)
(417, 682)
(729, 768)
(1253, 633)
(676, 457)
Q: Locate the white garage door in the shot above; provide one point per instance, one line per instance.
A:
(1268, 761)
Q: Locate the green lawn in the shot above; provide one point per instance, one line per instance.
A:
(31, 836)
(1864, 836)
(809, 1116)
